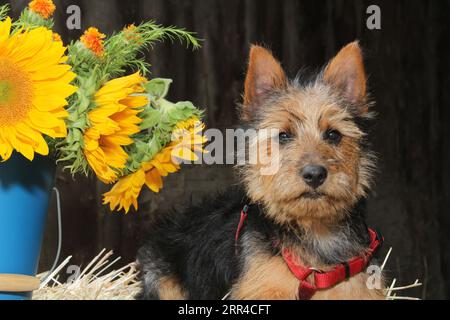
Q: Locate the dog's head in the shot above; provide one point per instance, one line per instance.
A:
(320, 147)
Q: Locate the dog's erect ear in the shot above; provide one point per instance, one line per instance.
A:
(346, 72)
(264, 75)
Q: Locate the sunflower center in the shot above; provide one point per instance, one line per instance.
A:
(16, 93)
(5, 91)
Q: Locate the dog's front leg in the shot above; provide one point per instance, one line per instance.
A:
(265, 277)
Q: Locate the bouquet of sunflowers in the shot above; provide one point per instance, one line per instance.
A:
(90, 105)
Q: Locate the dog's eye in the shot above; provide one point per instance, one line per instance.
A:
(333, 136)
(285, 137)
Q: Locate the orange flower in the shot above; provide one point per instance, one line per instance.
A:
(56, 37)
(93, 40)
(130, 27)
(131, 34)
(44, 8)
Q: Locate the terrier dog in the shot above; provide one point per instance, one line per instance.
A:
(298, 233)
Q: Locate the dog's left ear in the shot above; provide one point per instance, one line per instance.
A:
(346, 73)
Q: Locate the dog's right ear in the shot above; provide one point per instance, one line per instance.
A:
(264, 75)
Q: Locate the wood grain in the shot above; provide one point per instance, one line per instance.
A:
(18, 283)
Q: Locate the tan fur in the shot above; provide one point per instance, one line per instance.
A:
(266, 278)
(346, 71)
(264, 74)
(170, 289)
(353, 289)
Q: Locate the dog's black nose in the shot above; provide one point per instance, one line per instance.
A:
(314, 176)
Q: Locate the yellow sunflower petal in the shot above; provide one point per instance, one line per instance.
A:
(184, 154)
(153, 180)
(5, 29)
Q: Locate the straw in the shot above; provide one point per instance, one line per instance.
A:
(123, 283)
(91, 283)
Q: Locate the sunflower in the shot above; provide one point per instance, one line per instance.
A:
(112, 123)
(44, 8)
(34, 86)
(187, 140)
(93, 40)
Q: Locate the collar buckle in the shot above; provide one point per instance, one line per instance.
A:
(316, 270)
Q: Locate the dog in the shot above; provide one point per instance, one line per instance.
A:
(298, 233)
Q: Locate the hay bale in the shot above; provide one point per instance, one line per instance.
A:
(94, 282)
(97, 282)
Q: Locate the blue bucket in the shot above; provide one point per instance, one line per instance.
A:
(25, 192)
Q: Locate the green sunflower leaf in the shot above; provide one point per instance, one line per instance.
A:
(150, 117)
(158, 88)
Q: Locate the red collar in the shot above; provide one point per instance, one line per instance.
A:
(340, 273)
(323, 280)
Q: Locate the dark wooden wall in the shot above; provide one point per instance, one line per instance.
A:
(409, 65)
